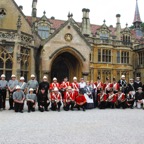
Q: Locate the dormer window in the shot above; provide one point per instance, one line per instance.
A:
(104, 36)
(2, 13)
(126, 39)
(43, 31)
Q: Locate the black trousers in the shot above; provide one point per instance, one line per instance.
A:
(68, 105)
(81, 106)
(110, 105)
(44, 105)
(18, 107)
(95, 100)
(102, 105)
(3, 94)
(121, 104)
(130, 103)
(55, 105)
(11, 102)
(1, 102)
(30, 106)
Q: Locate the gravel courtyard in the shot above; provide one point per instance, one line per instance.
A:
(73, 127)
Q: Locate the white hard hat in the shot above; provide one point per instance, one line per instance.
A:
(55, 89)
(31, 89)
(21, 78)
(3, 76)
(44, 77)
(18, 87)
(54, 78)
(32, 75)
(74, 78)
(123, 76)
(131, 79)
(13, 75)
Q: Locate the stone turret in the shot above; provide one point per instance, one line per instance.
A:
(86, 28)
(118, 27)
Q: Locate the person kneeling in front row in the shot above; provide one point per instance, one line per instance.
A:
(43, 100)
(81, 100)
(31, 100)
(55, 98)
(18, 97)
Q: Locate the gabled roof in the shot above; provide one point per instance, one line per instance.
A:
(57, 23)
(71, 21)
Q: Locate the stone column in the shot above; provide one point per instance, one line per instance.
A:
(85, 75)
(17, 48)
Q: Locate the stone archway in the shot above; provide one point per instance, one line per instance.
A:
(65, 65)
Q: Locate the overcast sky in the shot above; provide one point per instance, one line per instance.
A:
(99, 9)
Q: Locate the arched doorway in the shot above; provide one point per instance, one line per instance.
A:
(65, 65)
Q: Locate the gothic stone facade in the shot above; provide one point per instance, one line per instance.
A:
(56, 48)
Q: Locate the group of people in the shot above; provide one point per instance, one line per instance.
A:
(74, 95)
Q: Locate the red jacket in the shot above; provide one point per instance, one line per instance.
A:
(69, 96)
(116, 86)
(99, 85)
(53, 85)
(80, 99)
(107, 86)
(64, 85)
(55, 96)
(112, 97)
(102, 97)
(120, 97)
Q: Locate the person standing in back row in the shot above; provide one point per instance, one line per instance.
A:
(3, 88)
(33, 83)
(12, 88)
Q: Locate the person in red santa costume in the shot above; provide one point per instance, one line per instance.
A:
(75, 86)
(54, 84)
(116, 86)
(81, 100)
(69, 99)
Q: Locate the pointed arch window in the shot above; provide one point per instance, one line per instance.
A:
(8, 64)
(1, 63)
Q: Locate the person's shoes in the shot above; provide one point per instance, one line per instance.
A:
(83, 109)
(28, 111)
(10, 109)
(78, 108)
(46, 110)
(4, 109)
(21, 111)
(33, 110)
(72, 109)
(58, 109)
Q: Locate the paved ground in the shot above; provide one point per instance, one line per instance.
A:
(73, 127)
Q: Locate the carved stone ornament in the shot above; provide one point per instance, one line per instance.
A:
(68, 37)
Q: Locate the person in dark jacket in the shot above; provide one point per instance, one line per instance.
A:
(43, 100)
(137, 83)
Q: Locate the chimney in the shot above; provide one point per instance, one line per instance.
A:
(86, 27)
(118, 27)
(34, 10)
